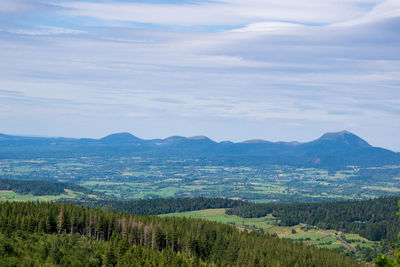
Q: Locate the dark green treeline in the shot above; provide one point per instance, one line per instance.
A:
(190, 241)
(374, 219)
(40, 188)
(162, 205)
(24, 249)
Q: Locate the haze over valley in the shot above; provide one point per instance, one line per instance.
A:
(336, 166)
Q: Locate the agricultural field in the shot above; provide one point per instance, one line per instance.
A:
(6, 195)
(220, 216)
(141, 177)
(303, 233)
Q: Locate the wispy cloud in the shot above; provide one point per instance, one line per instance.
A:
(15, 6)
(229, 12)
(44, 30)
(201, 67)
(382, 11)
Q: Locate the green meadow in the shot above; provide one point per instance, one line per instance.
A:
(267, 224)
(12, 196)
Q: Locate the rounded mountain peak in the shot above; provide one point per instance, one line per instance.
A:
(345, 138)
(200, 137)
(119, 138)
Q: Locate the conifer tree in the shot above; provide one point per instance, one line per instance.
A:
(385, 261)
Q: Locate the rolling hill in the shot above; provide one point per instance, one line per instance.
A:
(330, 150)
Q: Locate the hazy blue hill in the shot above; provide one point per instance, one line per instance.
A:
(173, 140)
(330, 150)
(5, 137)
(183, 146)
(256, 141)
(10, 140)
(120, 138)
(339, 140)
(344, 148)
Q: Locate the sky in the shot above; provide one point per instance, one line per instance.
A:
(227, 69)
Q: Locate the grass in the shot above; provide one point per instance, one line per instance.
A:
(325, 241)
(12, 196)
(139, 177)
(306, 235)
(219, 215)
(332, 246)
(356, 240)
(381, 188)
(310, 236)
(266, 185)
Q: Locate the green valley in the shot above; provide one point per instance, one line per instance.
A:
(143, 177)
(353, 244)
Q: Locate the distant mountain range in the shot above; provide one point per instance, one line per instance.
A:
(330, 150)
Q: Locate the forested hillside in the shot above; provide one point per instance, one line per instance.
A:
(374, 219)
(40, 188)
(26, 249)
(162, 205)
(34, 233)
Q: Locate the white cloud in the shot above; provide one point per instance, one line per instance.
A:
(266, 71)
(222, 12)
(385, 10)
(270, 27)
(12, 6)
(46, 30)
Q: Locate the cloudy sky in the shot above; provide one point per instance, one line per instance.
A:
(228, 69)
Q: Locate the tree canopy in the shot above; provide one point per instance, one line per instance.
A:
(47, 233)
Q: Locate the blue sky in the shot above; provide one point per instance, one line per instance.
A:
(228, 69)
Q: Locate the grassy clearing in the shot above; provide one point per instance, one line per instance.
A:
(324, 241)
(267, 223)
(219, 215)
(12, 196)
(382, 188)
(306, 236)
(332, 246)
(356, 240)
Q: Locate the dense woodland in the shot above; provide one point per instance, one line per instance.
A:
(374, 219)
(393, 260)
(39, 188)
(162, 206)
(38, 233)
(25, 249)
